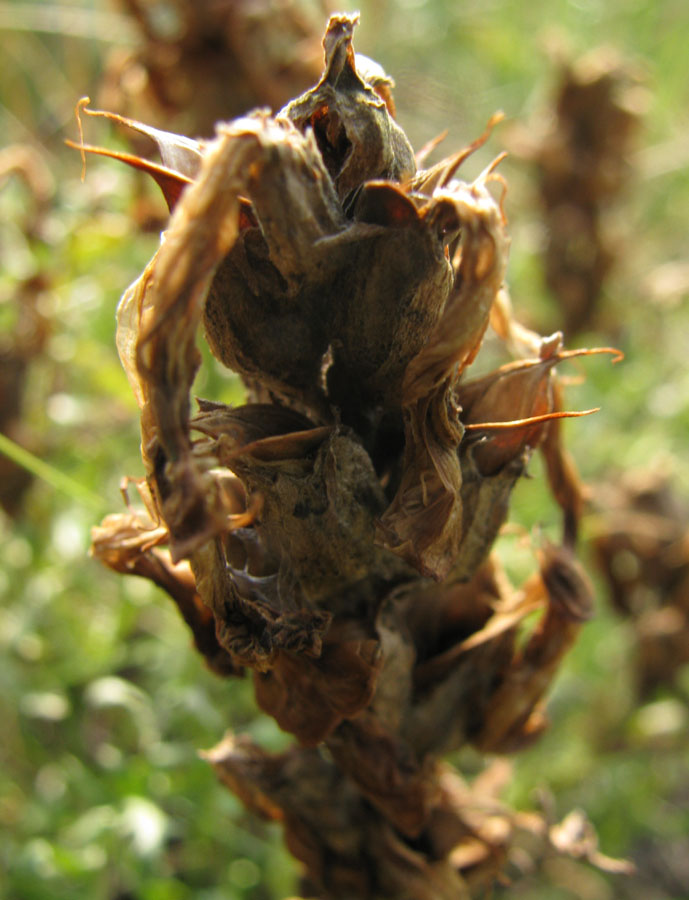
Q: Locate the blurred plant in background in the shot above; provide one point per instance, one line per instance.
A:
(103, 701)
(582, 151)
(195, 64)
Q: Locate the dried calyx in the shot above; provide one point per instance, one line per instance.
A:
(336, 530)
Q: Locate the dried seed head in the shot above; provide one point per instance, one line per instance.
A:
(351, 296)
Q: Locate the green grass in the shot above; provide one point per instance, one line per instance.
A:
(103, 701)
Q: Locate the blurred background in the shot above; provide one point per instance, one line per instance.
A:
(103, 701)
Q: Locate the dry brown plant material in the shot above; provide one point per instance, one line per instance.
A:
(582, 152)
(337, 528)
(197, 62)
(641, 544)
(201, 61)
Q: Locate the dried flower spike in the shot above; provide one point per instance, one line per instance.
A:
(336, 530)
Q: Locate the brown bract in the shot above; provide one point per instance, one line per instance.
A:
(336, 529)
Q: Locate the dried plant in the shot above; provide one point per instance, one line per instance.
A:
(198, 61)
(333, 535)
(582, 150)
(641, 545)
